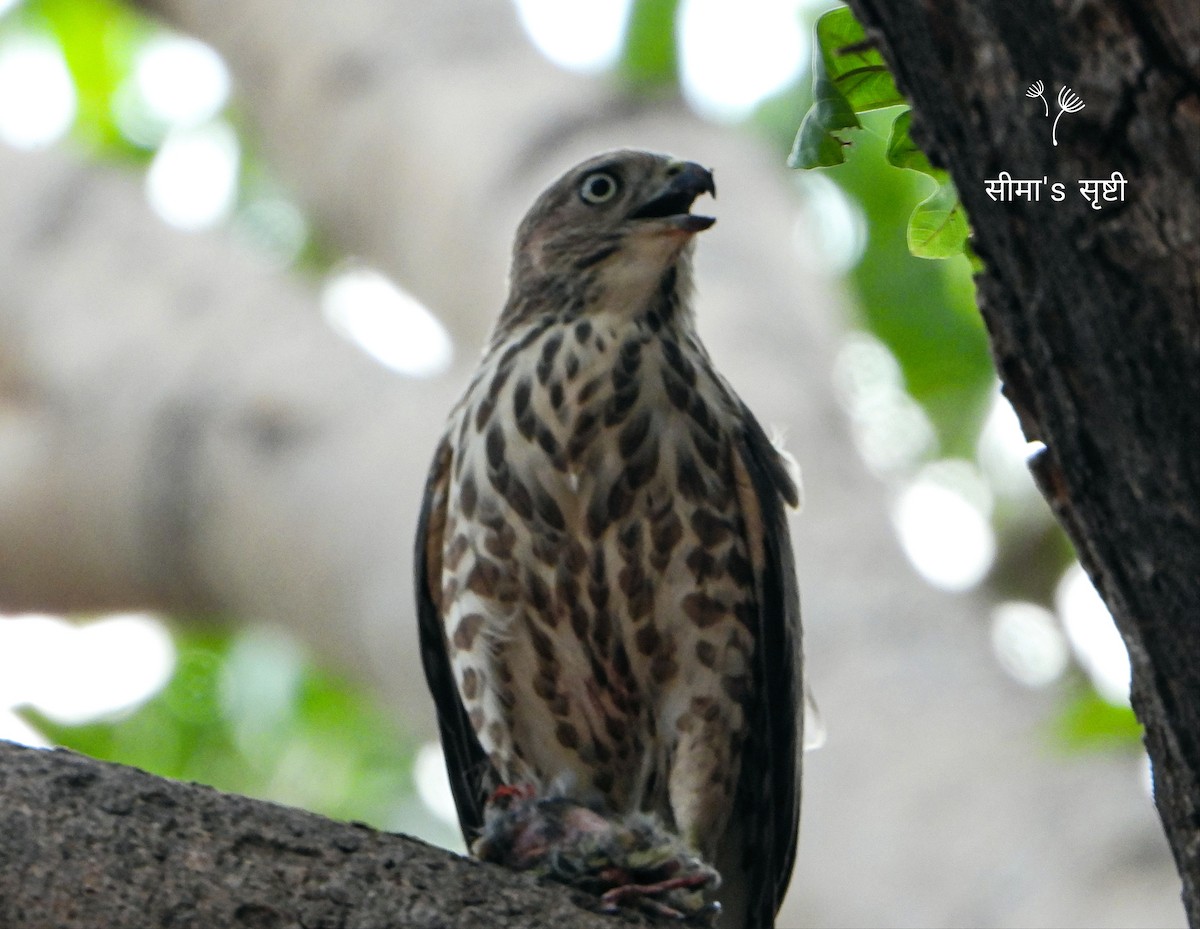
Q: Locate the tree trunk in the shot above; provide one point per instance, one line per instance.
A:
(1094, 313)
(85, 844)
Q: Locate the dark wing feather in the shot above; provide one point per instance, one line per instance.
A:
(471, 775)
(769, 787)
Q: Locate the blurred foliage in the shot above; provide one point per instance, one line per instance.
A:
(923, 311)
(98, 39)
(1088, 722)
(648, 54)
(248, 713)
(243, 712)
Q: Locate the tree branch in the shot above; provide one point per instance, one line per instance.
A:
(1094, 315)
(86, 844)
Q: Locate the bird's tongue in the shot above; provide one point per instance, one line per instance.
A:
(689, 222)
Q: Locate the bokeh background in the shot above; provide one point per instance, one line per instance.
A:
(981, 764)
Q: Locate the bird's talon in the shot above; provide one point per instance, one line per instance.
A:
(640, 894)
(643, 894)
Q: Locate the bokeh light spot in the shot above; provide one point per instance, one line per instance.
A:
(386, 322)
(831, 232)
(192, 182)
(584, 35)
(732, 55)
(890, 429)
(942, 518)
(433, 783)
(75, 673)
(1094, 636)
(182, 81)
(37, 95)
(1028, 644)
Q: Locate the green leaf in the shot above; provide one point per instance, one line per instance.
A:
(856, 68)
(938, 226)
(848, 78)
(903, 152)
(648, 54)
(819, 142)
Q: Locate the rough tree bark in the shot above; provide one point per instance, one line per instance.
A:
(1094, 314)
(85, 845)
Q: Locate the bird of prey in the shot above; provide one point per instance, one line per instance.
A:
(606, 593)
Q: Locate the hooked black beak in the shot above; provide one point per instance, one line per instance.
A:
(686, 181)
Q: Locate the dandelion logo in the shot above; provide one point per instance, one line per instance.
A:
(1068, 102)
(1097, 191)
(1035, 90)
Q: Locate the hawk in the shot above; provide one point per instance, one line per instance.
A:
(606, 593)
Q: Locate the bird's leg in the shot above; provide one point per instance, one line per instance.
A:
(509, 793)
(626, 859)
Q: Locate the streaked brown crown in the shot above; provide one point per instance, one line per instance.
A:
(623, 209)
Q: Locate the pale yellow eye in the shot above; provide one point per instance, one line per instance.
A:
(598, 187)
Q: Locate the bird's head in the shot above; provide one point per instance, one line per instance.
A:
(611, 228)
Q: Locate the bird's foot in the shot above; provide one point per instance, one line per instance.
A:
(644, 896)
(628, 860)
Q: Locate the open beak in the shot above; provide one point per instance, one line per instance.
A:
(686, 181)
